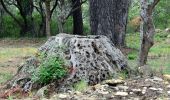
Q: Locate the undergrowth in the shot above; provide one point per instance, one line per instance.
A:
(51, 69)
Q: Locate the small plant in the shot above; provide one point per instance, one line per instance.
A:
(80, 86)
(10, 98)
(123, 74)
(132, 55)
(50, 70)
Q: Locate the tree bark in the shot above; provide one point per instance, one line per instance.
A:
(77, 18)
(109, 17)
(1, 18)
(42, 29)
(26, 10)
(61, 23)
(147, 30)
(120, 21)
(48, 18)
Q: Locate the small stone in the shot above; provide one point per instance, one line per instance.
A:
(115, 88)
(166, 77)
(125, 83)
(40, 92)
(146, 80)
(97, 86)
(167, 30)
(78, 93)
(123, 87)
(168, 36)
(168, 92)
(166, 82)
(44, 99)
(154, 89)
(121, 94)
(131, 93)
(62, 96)
(114, 82)
(157, 79)
(144, 90)
(136, 99)
(160, 89)
(105, 85)
(168, 86)
(136, 90)
(104, 92)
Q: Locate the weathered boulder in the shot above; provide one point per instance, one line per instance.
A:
(91, 58)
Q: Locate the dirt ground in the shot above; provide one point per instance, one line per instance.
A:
(13, 52)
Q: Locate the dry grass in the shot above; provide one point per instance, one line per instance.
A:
(13, 52)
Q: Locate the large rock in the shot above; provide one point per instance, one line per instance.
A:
(92, 58)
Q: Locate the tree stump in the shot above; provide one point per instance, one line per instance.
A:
(91, 58)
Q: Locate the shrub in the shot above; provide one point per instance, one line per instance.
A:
(50, 70)
(132, 56)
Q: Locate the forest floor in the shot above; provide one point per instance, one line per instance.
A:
(14, 51)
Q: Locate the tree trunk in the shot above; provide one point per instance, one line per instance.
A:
(147, 30)
(1, 18)
(42, 29)
(60, 25)
(42, 26)
(120, 21)
(77, 18)
(48, 19)
(109, 17)
(26, 10)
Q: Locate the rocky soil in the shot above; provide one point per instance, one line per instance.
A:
(154, 88)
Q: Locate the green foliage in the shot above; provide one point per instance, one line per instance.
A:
(68, 26)
(9, 28)
(86, 29)
(123, 74)
(130, 29)
(132, 55)
(161, 36)
(10, 98)
(81, 86)
(134, 9)
(86, 24)
(54, 27)
(133, 40)
(50, 70)
(162, 14)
